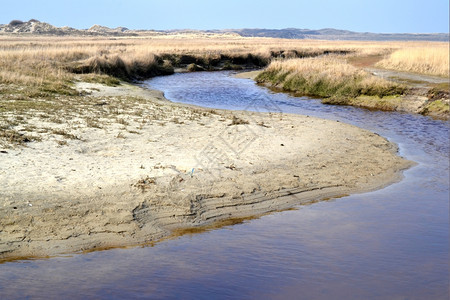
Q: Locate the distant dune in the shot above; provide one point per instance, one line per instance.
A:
(41, 28)
(336, 34)
(36, 27)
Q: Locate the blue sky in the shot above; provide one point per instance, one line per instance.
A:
(356, 15)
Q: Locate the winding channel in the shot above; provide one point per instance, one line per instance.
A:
(390, 243)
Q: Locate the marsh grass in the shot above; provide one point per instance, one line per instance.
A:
(107, 80)
(46, 66)
(431, 60)
(388, 103)
(125, 66)
(37, 75)
(439, 91)
(326, 76)
(437, 107)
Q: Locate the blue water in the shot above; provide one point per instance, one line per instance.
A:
(388, 244)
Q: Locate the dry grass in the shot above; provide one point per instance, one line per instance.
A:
(47, 63)
(37, 75)
(432, 60)
(237, 121)
(326, 76)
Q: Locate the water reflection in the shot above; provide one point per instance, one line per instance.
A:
(391, 243)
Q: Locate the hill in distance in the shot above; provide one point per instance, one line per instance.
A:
(336, 34)
(35, 27)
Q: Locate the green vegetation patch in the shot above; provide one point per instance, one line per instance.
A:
(439, 91)
(330, 87)
(388, 103)
(100, 78)
(437, 108)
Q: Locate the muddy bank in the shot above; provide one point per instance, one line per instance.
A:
(149, 167)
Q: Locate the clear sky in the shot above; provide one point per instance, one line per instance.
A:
(398, 16)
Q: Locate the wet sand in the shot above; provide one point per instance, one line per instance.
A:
(183, 167)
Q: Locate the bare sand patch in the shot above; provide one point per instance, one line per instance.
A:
(149, 167)
(248, 75)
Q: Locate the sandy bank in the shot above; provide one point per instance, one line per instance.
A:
(150, 166)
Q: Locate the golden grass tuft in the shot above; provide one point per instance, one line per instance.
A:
(425, 60)
(326, 76)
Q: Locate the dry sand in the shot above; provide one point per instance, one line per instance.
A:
(169, 166)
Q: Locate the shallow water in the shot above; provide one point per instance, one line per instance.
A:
(391, 243)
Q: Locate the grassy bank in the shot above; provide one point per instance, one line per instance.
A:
(338, 80)
(326, 77)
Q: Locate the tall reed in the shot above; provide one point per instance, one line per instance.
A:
(432, 60)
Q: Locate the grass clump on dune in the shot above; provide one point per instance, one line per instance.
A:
(125, 67)
(48, 70)
(326, 77)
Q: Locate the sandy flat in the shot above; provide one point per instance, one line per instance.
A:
(155, 167)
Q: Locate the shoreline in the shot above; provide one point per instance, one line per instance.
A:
(186, 167)
(420, 98)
